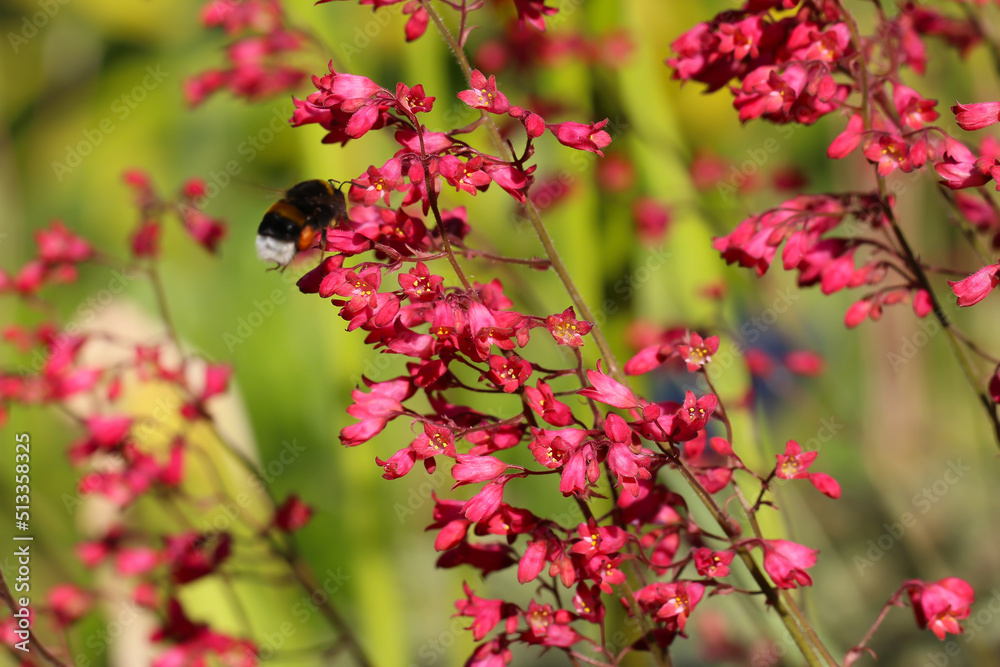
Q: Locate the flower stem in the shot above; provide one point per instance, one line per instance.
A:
(532, 212)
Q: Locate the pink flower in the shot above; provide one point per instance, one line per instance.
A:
(484, 94)
(848, 140)
(786, 562)
(375, 409)
(712, 563)
(467, 175)
(482, 505)
(216, 380)
(543, 402)
(533, 12)
(672, 603)
(976, 287)
(582, 137)
(509, 374)
(566, 329)
(889, 153)
(377, 183)
(57, 244)
(471, 469)
(69, 603)
(608, 391)
(485, 613)
(698, 351)
(804, 362)
(940, 605)
(794, 464)
(976, 116)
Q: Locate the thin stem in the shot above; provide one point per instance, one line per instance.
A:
(773, 599)
(533, 214)
(8, 599)
(304, 574)
(908, 253)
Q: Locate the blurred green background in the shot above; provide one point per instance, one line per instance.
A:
(894, 429)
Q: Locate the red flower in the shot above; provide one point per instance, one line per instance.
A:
(712, 563)
(450, 523)
(848, 140)
(976, 116)
(486, 613)
(57, 244)
(940, 605)
(543, 402)
(216, 380)
(804, 362)
(195, 642)
(698, 351)
(465, 175)
(786, 562)
(889, 152)
(69, 603)
(482, 505)
(484, 94)
(194, 555)
(207, 231)
(292, 515)
(914, 110)
(651, 218)
(566, 329)
(375, 409)
(582, 137)
(608, 391)
(470, 469)
(376, 183)
(976, 287)
(435, 440)
(549, 627)
(508, 373)
(671, 603)
(533, 12)
(695, 412)
(599, 540)
(794, 463)
(146, 239)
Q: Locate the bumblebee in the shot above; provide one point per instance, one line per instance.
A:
(291, 224)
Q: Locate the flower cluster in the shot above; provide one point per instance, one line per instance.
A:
(656, 482)
(797, 66)
(258, 60)
(133, 457)
(467, 339)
